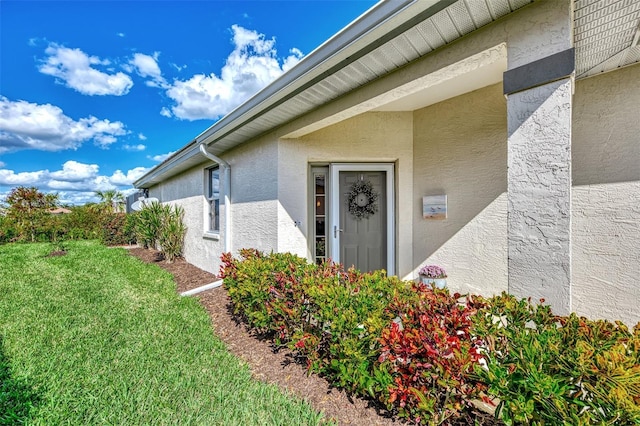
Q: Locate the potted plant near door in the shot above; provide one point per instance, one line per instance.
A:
(433, 274)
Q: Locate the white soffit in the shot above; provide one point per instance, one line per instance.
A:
(474, 73)
(411, 30)
(420, 37)
(606, 35)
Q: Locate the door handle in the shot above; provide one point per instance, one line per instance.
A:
(335, 231)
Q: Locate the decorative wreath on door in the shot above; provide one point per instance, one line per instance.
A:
(362, 199)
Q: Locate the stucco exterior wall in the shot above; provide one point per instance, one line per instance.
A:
(606, 196)
(539, 194)
(378, 137)
(254, 192)
(253, 204)
(187, 191)
(457, 147)
(460, 150)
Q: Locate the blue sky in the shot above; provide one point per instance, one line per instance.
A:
(94, 93)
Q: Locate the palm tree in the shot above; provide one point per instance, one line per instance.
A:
(111, 198)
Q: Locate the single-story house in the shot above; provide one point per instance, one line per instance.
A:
(499, 139)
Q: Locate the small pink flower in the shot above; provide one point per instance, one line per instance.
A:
(433, 271)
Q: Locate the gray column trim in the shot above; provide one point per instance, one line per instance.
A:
(542, 71)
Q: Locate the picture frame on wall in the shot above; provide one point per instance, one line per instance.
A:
(434, 207)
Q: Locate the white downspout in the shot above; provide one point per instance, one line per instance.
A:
(226, 169)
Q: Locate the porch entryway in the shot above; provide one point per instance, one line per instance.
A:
(353, 206)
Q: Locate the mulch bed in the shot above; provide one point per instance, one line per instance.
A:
(267, 364)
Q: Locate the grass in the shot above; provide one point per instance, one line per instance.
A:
(98, 337)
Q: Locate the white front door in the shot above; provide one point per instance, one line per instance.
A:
(362, 235)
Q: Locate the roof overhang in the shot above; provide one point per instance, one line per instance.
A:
(387, 37)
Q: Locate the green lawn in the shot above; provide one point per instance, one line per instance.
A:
(97, 337)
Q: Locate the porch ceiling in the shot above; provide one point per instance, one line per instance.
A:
(606, 35)
(423, 28)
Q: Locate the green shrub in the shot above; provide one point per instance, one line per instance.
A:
(331, 317)
(548, 369)
(430, 352)
(148, 225)
(251, 283)
(160, 226)
(429, 355)
(8, 232)
(172, 231)
(115, 229)
(27, 219)
(84, 222)
(346, 313)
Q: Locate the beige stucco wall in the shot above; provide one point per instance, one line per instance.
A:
(187, 190)
(381, 137)
(460, 150)
(457, 147)
(253, 204)
(606, 196)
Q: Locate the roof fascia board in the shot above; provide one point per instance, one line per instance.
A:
(352, 32)
(187, 152)
(355, 41)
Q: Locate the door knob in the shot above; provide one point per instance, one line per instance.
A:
(335, 231)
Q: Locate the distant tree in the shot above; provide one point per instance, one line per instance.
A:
(29, 209)
(112, 199)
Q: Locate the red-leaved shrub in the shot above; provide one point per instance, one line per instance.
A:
(429, 351)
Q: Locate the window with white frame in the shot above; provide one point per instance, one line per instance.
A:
(213, 198)
(319, 209)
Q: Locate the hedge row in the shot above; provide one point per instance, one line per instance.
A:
(434, 357)
(83, 223)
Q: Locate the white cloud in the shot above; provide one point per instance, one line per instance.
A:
(122, 179)
(98, 183)
(120, 34)
(77, 181)
(161, 157)
(2, 164)
(165, 112)
(134, 148)
(251, 66)
(25, 125)
(147, 66)
(76, 197)
(77, 70)
(72, 171)
(9, 178)
(292, 59)
(142, 137)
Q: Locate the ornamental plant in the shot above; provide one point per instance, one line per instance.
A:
(149, 225)
(172, 232)
(431, 356)
(432, 271)
(565, 370)
(347, 311)
(161, 226)
(430, 352)
(330, 317)
(266, 290)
